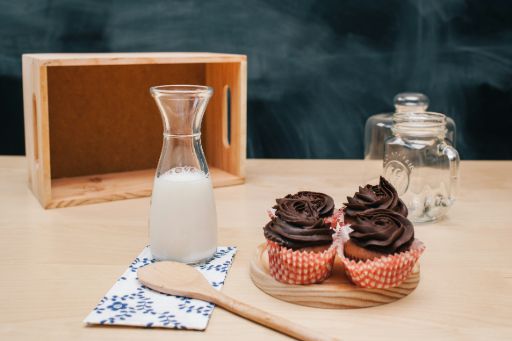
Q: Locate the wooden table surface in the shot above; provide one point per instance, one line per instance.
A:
(56, 264)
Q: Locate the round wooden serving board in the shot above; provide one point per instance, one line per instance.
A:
(336, 292)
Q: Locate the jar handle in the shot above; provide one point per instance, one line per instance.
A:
(454, 160)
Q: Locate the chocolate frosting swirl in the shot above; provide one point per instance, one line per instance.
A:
(382, 230)
(323, 203)
(297, 224)
(382, 196)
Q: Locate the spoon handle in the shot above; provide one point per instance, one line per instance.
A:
(268, 320)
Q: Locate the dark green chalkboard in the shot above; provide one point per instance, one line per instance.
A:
(317, 69)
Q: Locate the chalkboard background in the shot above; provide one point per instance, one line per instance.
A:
(317, 69)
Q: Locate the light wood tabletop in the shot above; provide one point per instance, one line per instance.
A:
(57, 264)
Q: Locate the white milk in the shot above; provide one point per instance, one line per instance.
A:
(183, 221)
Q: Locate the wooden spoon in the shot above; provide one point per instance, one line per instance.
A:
(183, 280)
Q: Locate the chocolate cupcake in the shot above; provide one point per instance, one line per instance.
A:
(381, 251)
(381, 196)
(377, 233)
(297, 225)
(299, 242)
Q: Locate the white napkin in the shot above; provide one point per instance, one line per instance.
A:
(130, 303)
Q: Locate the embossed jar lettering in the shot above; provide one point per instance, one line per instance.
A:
(421, 165)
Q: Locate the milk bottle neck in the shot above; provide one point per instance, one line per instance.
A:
(182, 108)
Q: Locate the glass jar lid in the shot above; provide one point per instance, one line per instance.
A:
(411, 102)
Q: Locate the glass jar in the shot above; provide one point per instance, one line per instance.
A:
(422, 166)
(183, 220)
(378, 128)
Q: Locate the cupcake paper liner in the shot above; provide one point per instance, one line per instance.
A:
(340, 217)
(383, 272)
(299, 267)
(337, 217)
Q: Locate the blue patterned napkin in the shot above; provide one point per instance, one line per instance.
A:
(130, 303)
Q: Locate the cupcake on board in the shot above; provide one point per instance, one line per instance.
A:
(378, 248)
(378, 233)
(300, 240)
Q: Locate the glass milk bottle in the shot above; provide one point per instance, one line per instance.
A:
(183, 220)
(422, 166)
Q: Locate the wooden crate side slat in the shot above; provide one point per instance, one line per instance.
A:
(134, 58)
(44, 137)
(29, 120)
(106, 187)
(242, 103)
(36, 128)
(228, 158)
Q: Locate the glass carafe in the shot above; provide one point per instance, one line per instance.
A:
(422, 166)
(183, 220)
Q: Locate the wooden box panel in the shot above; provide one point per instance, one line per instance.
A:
(93, 132)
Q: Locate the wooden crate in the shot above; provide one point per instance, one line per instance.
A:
(93, 132)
